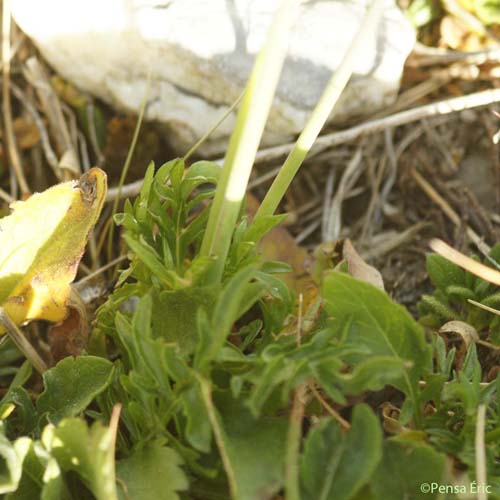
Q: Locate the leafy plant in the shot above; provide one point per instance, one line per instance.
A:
(453, 293)
(231, 386)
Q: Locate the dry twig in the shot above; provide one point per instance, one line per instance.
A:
(22, 342)
(453, 105)
(65, 145)
(13, 152)
(446, 208)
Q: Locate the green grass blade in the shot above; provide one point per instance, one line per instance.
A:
(320, 113)
(246, 137)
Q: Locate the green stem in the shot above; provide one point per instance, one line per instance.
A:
(246, 137)
(292, 483)
(206, 393)
(320, 114)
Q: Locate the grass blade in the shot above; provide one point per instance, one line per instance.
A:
(246, 137)
(320, 113)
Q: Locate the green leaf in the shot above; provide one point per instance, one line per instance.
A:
(492, 300)
(466, 391)
(198, 428)
(177, 173)
(165, 170)
(203, 168)
(149, 352)
(227, 310)
(460, 292)
(369, 319)
(29, 484)
(148, 256)
(404, 467)
(201, 172)
(126, 337)
(18, 396)
(11, 462)
(151, 473)
(275, 372)
(335, 466)
(471, 368)
(42, 477)
(228, 306)
(24, 418)
(495, 253)
(444, 359)
(372, 375)
(443, 273)
(9, 355)
(23, 373)
(437, 308)
(174, 314)
(277, 308)
(88, 452)
(72, 384)
(255, 449)
(262, 226)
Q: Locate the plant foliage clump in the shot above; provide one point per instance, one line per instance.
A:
(211, 378)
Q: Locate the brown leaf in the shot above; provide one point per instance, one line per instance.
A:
(26, 132)
(466, 331)
(390, 415)
(68, 338)
(359, 269)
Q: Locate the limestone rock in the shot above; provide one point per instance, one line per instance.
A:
(200, 53)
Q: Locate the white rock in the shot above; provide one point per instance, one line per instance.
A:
(200, 53)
